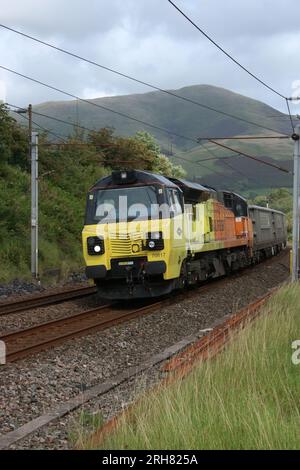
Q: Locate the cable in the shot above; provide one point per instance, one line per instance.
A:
(239, 153)
(290, 116)
(225, 52)
(222, 159)
(215, 158)
(76, 143)
(247, 137)
(273, 165)
(170, 93)
(38, 125)
(54, 118)
(190, 161)
(225, 162)
(236, 171)
(63, 121)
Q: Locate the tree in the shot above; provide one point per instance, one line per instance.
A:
(164, 167)
(121, 152)
(161, 163)
(149, 141)
(13, 140)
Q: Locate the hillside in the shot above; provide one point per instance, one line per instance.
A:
(171, 113)
(242, 174)
(192, 121)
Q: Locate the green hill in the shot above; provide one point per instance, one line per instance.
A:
(191, 121)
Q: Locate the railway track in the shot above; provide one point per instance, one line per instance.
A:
(25, 342)
(45, 299)
(37, 338)
(22, 343)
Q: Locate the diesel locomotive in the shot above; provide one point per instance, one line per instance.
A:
(146, 235)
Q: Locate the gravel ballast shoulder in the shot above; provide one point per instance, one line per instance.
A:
(32, 386)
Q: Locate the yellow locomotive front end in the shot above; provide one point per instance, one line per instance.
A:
(134, 237)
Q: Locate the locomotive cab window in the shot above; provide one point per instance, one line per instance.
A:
(240, 207)
(236, 203)
(125, 204)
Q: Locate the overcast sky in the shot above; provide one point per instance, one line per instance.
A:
(151, 41)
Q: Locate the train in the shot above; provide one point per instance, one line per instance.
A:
(146, 235)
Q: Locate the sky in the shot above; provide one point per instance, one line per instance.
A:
(151, 41)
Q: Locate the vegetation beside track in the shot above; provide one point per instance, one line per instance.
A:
(248, 397)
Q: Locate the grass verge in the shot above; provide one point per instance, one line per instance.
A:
(248, 397)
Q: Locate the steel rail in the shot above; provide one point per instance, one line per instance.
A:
(42, 300)
(37, 338)
(22, 343)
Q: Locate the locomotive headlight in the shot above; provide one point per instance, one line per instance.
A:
(95, 246)
(154, 241)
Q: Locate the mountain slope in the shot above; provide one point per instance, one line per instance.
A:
(168, 112)
(192, 121)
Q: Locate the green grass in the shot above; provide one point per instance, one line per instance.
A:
(248, 397)
(87, 423)
(61, 219)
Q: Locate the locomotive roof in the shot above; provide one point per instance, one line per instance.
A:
(225, 191)
(137, 177)
(182, 183)
(267, 209)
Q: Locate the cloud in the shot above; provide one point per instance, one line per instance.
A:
(151, 41)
